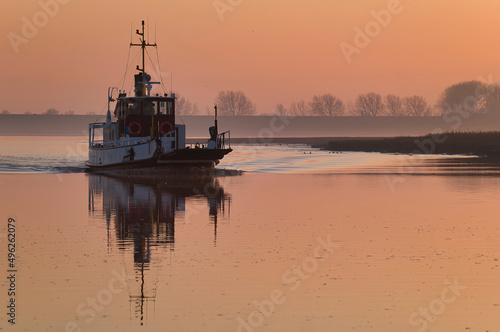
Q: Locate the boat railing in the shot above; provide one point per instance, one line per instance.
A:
(170, 134)
(196, 145)
(223, 142)
(100, 144)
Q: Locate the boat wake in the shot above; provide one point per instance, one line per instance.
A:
(14, 164)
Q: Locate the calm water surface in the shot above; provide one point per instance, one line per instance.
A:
(304, 241)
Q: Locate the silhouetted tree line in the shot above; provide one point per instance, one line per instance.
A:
(234, 103)
(369, 104)
(228, 102)
(184, 107)
(53, 111)
(472, 97)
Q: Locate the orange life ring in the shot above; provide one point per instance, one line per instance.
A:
(170, 127)
(137, 125)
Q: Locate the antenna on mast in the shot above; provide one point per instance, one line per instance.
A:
(143, 45)
(142, 80)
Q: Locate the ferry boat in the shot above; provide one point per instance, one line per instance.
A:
(145, 132)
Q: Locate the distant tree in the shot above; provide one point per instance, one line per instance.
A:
(234, 103)
(70, 112)
(184, 107)
(91, 113)
(28, 112)
(280, 110)
(5, 112)
(416, 106)
(51, 111)
(470, 96)
(369, 104)
(493, 99)
(196, 110)
(394, 105)
(326, 105)
(300, 108)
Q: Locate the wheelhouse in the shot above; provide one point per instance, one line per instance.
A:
(145, 116)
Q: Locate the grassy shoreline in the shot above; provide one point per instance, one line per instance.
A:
(465, 143)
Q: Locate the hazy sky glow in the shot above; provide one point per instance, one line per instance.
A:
(276, 51)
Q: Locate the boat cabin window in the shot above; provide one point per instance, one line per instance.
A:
(148, 107)
(163, 107)
(166, 107)
(170, 108)
(134, 108)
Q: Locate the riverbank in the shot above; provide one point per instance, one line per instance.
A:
(465, 143)
(452, 143)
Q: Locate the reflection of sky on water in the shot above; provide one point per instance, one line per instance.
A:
(301, 158)
(396, 248)
(68, 154)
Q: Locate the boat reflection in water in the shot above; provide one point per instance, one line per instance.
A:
(140, 214)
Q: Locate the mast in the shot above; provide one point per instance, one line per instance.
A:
(216, 124)
(143, 45)
(143, 80)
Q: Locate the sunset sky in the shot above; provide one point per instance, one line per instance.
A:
(276, 51)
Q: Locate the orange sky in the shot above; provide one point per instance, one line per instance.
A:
(276, 51)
